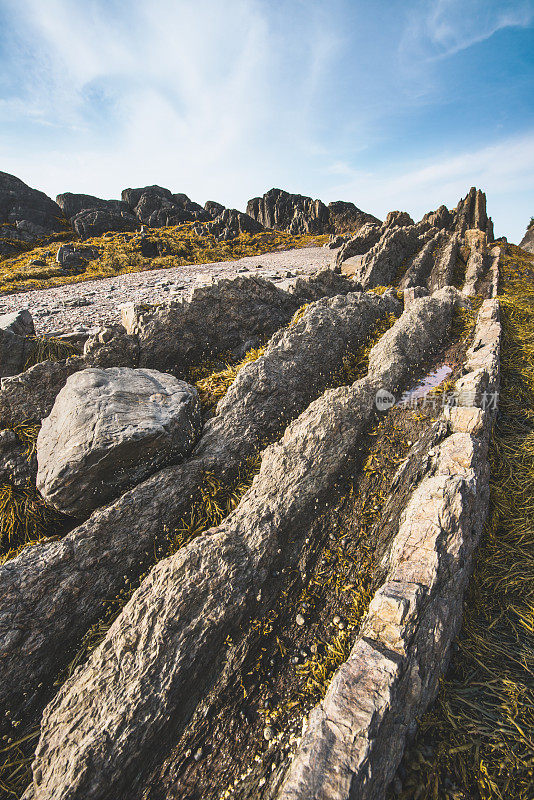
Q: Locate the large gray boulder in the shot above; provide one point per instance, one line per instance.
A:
(108, 430)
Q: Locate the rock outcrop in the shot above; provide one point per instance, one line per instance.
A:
(26, 215)
(527, 242)
(172, 633)
(88, 567)
(296, 213)
(18, 322)
(110, 429)
(231, 223)
(17, 342)
(155, 206)
(92, 216)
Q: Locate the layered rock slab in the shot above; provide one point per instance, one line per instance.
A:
(88, 567)
(155, 662)
(108, 430)
(355, 738)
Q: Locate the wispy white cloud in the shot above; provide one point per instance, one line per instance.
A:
(441, 28)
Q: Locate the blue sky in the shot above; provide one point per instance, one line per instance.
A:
(393, 105)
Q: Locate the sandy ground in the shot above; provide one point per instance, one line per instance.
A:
(83, 307)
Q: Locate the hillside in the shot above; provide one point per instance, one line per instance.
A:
(267, 537)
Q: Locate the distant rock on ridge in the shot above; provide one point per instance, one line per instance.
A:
(527, 242)
(92, 216)
(296, 213)
(25, 214)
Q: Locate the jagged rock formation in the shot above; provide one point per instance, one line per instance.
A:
(91, 216)
(25, 214)
(346, 217)
(415, 254)
(108, 430)
(155, 206)
(221, 577)
(341, 566)
(19, 323)
(296, 213)
(230, 223)
(527, 242)
(267, 394)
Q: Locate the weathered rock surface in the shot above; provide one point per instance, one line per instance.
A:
(355, 738)
(92, 216)
(217, 318)
(74, 259)
(527, 242)
(112, 346)
(294, 213)
(213, 208)
(15, 351)
(25, 214)
(398, 219)
(18, 322)
(402, 249)
(346, 217)
(110, 429)
(87, 567)
(359, 244)
(91, 739)
(297, 213)
(16, 467)
(30, 395)
(231, 223)
(156, 207)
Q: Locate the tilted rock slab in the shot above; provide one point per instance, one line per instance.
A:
(110, 429)
(30, 395)
(52, 593)
(355, 738)
(168, 643)
(216, 318)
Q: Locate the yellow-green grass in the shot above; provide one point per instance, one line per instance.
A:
(120, 253)
(48, 349)
(477, 742)
(25, 519)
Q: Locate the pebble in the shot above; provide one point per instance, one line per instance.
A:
(299, 619)
(268, 733)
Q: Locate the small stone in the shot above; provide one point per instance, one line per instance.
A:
(336, 620)
(268, 733)
(299, 619)
(198, 754)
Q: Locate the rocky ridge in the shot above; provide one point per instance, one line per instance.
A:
(209, 589)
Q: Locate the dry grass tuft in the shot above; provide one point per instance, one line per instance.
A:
(477, 743)
(214, 386)
(49, 349)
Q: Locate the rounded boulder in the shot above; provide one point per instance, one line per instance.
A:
(108, 430)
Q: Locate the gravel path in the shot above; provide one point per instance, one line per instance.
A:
(83, 307)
